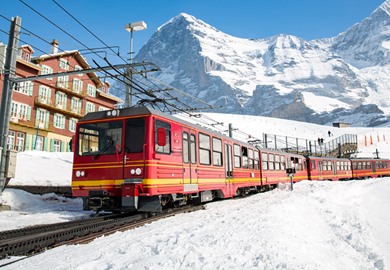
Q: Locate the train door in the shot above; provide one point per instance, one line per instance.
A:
(228, 167)
(134, 146)
(190, 168)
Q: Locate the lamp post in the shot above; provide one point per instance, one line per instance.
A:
(131, 27)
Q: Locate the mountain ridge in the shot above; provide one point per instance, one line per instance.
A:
(338, 79)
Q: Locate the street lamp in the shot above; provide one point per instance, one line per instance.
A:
(131, 27)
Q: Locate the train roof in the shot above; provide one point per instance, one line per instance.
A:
(327, 158)
(131, 111)
(143, 111)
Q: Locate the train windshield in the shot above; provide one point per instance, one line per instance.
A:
(100, 138)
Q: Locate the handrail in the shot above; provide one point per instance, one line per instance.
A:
(343, 145)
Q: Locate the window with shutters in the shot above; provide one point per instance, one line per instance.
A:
(77, 85)
(59, 121)
(63, 82)
(47, 70)
(91, 90)
(60, 100)
(24, 87)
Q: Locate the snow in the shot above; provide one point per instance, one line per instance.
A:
(323, 104)
(386, 44)
(318, 225)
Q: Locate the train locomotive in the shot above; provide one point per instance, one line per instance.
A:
(140, 159)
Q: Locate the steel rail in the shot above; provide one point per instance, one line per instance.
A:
(77, 232)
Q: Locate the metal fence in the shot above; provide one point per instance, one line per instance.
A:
(337, 147)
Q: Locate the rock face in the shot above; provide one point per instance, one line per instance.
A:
(344, 78)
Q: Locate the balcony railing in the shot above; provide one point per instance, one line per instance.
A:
(68, 89)
(59, 107)
(22, 121)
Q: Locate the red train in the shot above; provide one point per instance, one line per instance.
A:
(139, 159)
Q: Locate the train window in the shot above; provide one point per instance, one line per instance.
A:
(319, 165)
(354, 165)
(368, 164)
(186, 148)
(165, 149)
(135, 135)
(193, 148)
(329, 165)
(313, 165)
(100, 138)
(359, 165)
(250, 159)
(244, 152)
(277, 162)
(264, 161)
(217, 152)
(338, 167)
(204, 149)
(300, 166)
(256, 160)
(271, 164)
(283, 163)
(237, 156)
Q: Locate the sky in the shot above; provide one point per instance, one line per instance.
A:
(319, 225)
(308, 19)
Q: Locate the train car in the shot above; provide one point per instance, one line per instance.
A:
(274, 165)
(323, 168)
(367, 168)
(139, 159)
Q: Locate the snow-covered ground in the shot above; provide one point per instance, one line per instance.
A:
(318, 225)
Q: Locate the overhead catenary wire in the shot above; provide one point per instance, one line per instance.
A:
(35, 35)
(89, 31)
(60, 28)
(136, 84)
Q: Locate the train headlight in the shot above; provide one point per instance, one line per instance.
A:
(113, 113)
(81, 173)
(136, 171)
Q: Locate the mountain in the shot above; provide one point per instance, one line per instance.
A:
(339, 79)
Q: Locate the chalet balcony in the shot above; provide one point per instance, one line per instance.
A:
(64, 109)
(69, 90)
(24, 122)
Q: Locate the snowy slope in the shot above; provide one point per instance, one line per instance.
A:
(319, 225)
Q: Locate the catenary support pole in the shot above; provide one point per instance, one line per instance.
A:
(9, 74)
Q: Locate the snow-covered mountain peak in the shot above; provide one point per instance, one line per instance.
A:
(344, 78)
(364, 44)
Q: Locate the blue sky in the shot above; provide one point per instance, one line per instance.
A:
(308, 19)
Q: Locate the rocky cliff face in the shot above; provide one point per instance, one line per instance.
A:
(344, 78)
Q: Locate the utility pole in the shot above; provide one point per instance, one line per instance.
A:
(9, 74)
(230, 130)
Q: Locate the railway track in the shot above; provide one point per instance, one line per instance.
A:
(35, 239)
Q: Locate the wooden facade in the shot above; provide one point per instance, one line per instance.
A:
(44, 112)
